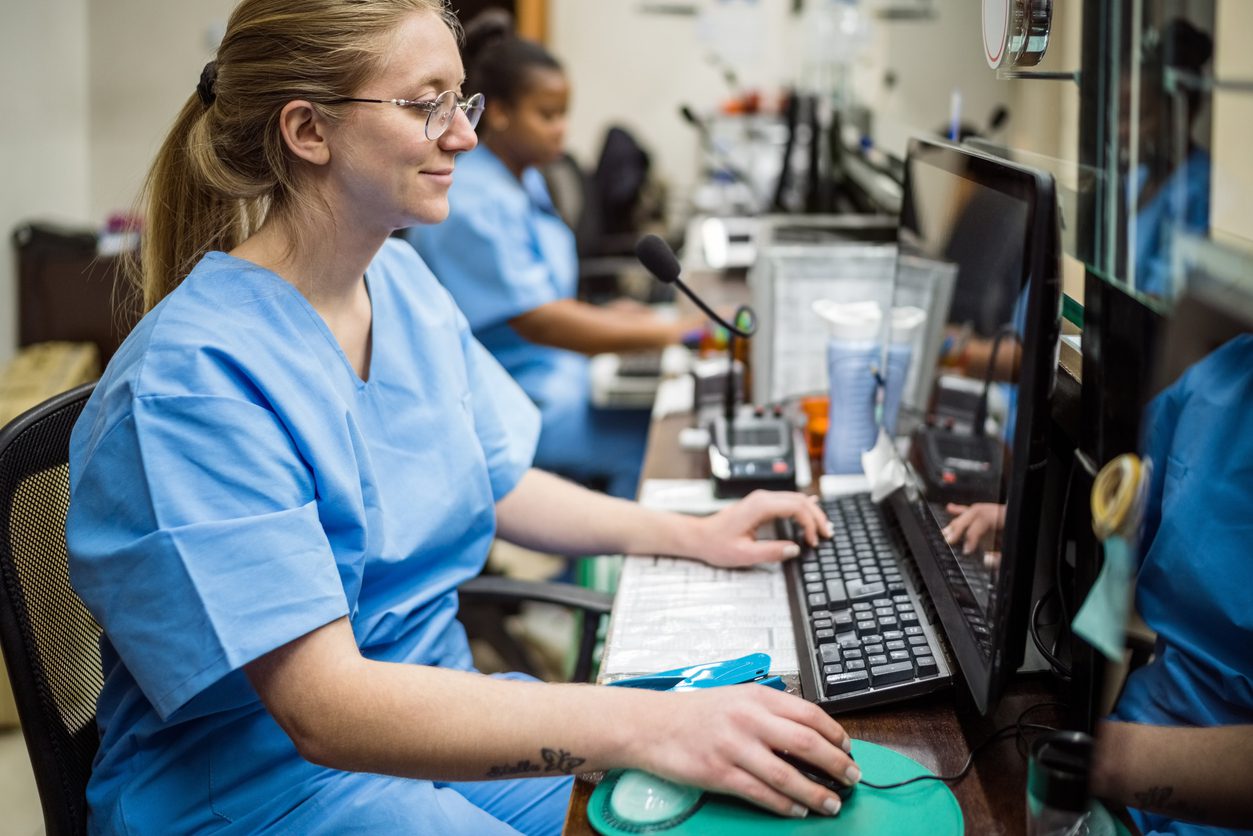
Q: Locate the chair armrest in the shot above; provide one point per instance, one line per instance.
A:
(491, 589)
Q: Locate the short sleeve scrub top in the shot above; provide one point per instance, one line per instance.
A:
(234, 486)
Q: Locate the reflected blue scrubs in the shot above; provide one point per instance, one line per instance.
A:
(1182, 203)
(502, 252)
(235, 485)
(1193, 586)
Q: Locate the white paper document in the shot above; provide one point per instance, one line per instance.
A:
(671, 612)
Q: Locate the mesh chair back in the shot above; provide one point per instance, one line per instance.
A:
(50, 641)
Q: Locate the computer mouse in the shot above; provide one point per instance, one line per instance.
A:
(820, 776)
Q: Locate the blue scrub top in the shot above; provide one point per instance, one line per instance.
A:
(236, 485)
(1182, 204)
(504, 251)
(1193, 586)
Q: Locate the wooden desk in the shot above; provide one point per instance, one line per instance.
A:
(932, 730)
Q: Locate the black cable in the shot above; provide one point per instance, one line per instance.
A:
(1033, 628)
(1017, 727)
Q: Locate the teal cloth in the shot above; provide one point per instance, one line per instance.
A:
(1102, 620)
(927, 808)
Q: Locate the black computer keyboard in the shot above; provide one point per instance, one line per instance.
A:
(864, 632)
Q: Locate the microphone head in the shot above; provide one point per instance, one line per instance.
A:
(657, 257)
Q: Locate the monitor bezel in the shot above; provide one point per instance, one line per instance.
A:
(986, 680)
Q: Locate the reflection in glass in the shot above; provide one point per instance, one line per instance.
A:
(961, 430)
(1166, 141)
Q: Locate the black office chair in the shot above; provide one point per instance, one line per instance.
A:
(51, 642)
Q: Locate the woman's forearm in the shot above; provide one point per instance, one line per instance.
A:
(578, 326)
(1189, 773)
(547, 513)
(347, 712)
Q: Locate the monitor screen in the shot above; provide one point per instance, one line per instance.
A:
(972, 441)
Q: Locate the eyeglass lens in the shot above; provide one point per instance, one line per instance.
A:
(446, 108)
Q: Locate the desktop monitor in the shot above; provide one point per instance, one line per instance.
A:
(977, 437)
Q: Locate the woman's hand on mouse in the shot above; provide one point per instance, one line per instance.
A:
(729, 537)
(728, 740)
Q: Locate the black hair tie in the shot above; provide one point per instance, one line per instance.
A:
(208, 80)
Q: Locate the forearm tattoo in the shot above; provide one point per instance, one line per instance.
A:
(1161, 800)
(555, 760)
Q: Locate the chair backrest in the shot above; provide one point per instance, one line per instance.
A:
(50, 641)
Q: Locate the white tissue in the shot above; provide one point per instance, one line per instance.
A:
(883, 467)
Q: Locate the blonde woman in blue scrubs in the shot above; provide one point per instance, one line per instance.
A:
(509, 261)
(301, 451)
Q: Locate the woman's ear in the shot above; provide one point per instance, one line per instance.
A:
(496, 115)
(304, 132)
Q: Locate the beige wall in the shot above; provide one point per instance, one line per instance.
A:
(145, 60)
(43, 129)
(636, 70)
(1232, 196)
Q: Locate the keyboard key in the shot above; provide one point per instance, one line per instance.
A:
(917, 640)
(893, 635)
(913, 630)
(896, 644)
(824, 636)
(863, 606)
(927, 666)
(817, 601)
(843, 618)
(847, 639)
(847, 682)
(855, 665)
(873, 648)
(867, 628)
(836, 594)
(831, 670)
(829, 653)
(877, 659)
(821, 623)
(887, 674)
(864, 591)
(898, 656)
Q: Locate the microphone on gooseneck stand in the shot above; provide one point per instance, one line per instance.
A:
(768, 458)
(657, 257)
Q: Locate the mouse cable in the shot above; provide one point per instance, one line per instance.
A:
(1016, 728)
(1033, 628)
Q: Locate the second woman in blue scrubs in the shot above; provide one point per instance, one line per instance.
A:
(509, 261)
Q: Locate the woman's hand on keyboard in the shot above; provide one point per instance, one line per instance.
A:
(728, 740)
(729, 537)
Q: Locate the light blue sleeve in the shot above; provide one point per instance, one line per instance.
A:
(196, 542)
(485, 255)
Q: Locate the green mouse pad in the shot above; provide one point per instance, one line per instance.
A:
(630, 802)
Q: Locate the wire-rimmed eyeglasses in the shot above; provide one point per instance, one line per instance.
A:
(439, 111)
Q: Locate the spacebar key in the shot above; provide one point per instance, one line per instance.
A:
(895, 672)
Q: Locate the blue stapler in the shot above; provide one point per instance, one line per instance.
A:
(755, 667)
